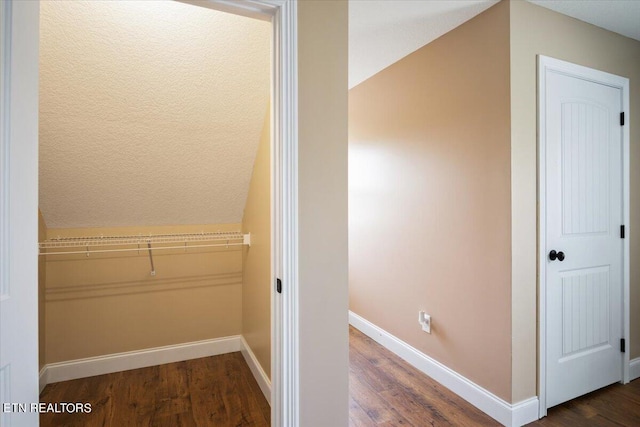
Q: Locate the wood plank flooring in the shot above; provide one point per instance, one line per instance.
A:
(213, 391)
(616, 405)
(384, 391)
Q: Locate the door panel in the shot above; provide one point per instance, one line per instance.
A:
(583, 218)
(585, 311)
(585, 170)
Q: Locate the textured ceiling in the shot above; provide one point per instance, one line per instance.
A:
(383, 31)
(150, 112)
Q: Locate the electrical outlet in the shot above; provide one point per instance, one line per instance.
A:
(425, 321)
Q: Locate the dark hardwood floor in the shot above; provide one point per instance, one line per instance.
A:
(384, 391)
(616, 405)
(212, 391)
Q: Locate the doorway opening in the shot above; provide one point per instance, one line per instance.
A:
(18, 196)
(148, 155)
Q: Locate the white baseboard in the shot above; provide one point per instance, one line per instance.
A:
(43, 378)
(256, 369)
(524, 412)
(82, 368)
(107, 364)
(510, 415)
(634, 369)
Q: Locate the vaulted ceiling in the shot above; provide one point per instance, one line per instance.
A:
(383, 31)
(150, 112)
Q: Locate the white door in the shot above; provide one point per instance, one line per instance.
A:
(584, 249)
(18, 212)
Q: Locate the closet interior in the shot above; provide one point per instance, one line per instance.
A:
(155, 193)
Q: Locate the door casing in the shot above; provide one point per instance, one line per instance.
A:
(546, 64)
(19, 211)
(285, 392)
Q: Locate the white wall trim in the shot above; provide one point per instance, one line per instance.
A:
(256, 369)
(510, 415)
(285, 366)
(634, 369)
(546, 64)
(19, 208)
(542, 243)
(524, 412)
(43, 378)
(5, 137)
(100, 365)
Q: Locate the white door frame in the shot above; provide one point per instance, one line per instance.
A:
(546, 64)
(284, 206)
(285, 391)
(19, 210)
(283, 15)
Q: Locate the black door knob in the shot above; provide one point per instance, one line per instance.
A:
(553, 255)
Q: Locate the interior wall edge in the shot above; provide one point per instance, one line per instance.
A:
(321, 285)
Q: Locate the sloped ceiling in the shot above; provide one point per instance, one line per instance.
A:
(382, 32)
(150, 112)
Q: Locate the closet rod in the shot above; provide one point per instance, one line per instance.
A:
(100, 251)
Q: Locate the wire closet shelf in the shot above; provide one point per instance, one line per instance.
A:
(101, 244)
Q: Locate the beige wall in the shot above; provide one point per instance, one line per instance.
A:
(322, 222)
(256, 261)
(429, 204)
(536, 30)
(110, 303)
(42, 280)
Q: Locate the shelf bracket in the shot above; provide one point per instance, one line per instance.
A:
(153, 269)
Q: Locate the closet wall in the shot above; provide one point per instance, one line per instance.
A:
(256, 271)
(151, 114)
(110, 303)
(42, 283)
